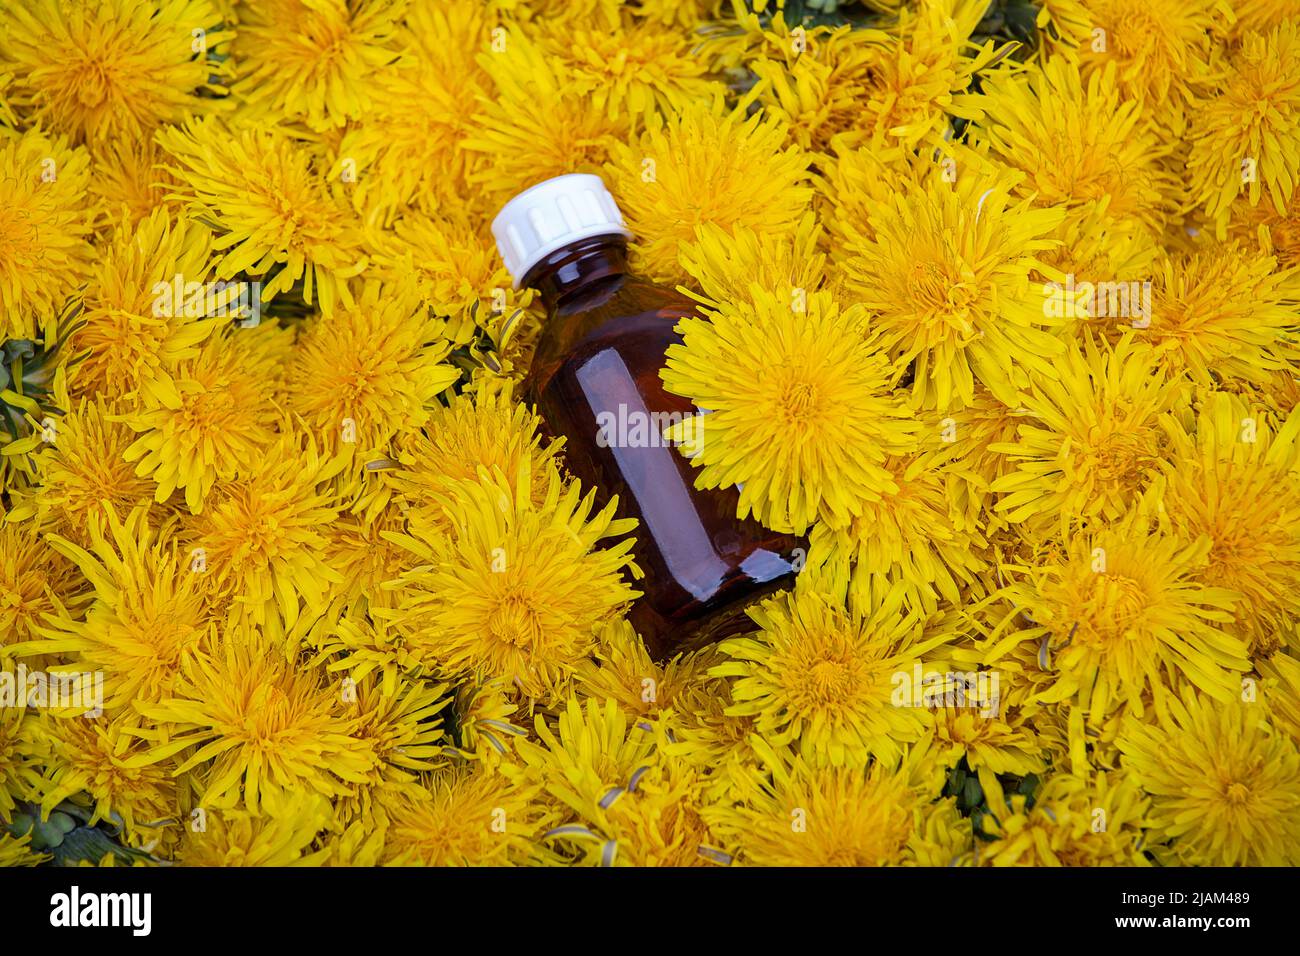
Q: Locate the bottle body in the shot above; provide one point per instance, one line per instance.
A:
(595, 380)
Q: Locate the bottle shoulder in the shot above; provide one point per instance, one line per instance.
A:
(631, 296)
(627, 309)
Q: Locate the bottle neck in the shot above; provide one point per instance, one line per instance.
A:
(580, 272)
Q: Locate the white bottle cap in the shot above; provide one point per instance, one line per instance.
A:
(552, 214)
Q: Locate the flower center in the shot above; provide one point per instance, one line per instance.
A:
(93, 84)
(1237, 794)
(798, 399)
(1117, 603)
(828, 683)
(1118, 456)
(515, 620)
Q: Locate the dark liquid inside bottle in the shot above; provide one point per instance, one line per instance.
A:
(598, 362)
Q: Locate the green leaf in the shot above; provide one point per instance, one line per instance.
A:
(49, 834)
(22, 823)
(87, 844)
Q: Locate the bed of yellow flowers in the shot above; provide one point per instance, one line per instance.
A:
(1001, 308)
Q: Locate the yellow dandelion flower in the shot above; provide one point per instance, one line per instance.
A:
(362, 550)
(259, 725)
(656, 819)
(909, 539)
(1072, 821)
(272, 206)
(1262, 14)
(705, 165)
(1123, 612)
(465, 817)
(1162, 49)
(24, 750)
(365, 373)
(947, 272)
(727, 266)
(1275, 233)
(853, 179)
(261, 541)
(485, 719)
(44, 224)
(592, 756)
(322, 70)
(514, 588)
(17, 851)
(1109, 265)
(406, 144)
(991, 736)
(112, 69)
(817, 81)
(1064, 23)
(1024, 674)
(684, 14)
(568, 10)
(7, 117)
(518, 144)
(487, 429)
(621, 670)
(360, 844)
(924, 69)
(128, 183)
(1281, 684)
(707, 736)
(1278, 393)
(282, 833)
(94, 757)
(1235, 478)
(210, 420)
(1225, 789)
(146, 306)
(35, 583)
(1246, 139)
(806, 815)
(358, 645)
(892, 89)
(1078, 142)
(1092, 436)
(801, 416)
(453, 265)
(941, 837)
(149, 615)
(822, 679)
(960, 446)
(85, 468)
(1226, 312)
(628, 68)
(400, 726)
(1065, 735)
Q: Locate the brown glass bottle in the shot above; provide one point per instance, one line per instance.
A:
(603, 347)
